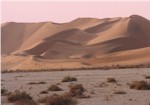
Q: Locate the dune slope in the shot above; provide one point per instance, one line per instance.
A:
(80, 43)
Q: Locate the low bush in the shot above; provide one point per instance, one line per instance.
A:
(147, 77)
(119, 92)
(3, 91)
(140, 85)
(54, 88)
(58, 100)
(35, 83)
(44, 92)
(76, 90)
(25, 102)
(69, 79)
(111, 80)
(18, 96)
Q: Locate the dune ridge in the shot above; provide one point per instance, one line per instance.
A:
(83, 42)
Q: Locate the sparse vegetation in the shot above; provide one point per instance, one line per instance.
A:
(25, 102)
(58, 100)
(119, 92)
(41, 82)
(69, 79)
(76, 90)
(82, 68)
(34, 83)
(3, 91)
(140, 85)
(147, 77)
(19, 96)
(54, 88)
(111, 80)
(103, 84)
(44, 92)
(61, 100)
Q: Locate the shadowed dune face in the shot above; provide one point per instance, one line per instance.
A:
(82, 38)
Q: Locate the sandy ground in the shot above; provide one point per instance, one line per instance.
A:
(91, 80)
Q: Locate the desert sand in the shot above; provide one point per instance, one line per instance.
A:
(81, 43)
(91, 80)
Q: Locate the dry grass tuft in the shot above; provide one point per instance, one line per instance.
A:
(140, 85)
(25, 102)
(41, 82)
(120, 92)
(35, 83)
(44, 92)
(103, 84)
(19, 96)
(147, 77)
(54, 88)
(61, 100)
(111, 80)
(58, 100)
(32, 83)
(69, 79)
(76, 90)
(3, 92)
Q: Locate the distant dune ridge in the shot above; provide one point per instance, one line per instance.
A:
(81, 43)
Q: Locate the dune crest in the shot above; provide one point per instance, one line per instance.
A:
(84, 42)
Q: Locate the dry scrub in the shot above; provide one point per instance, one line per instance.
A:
(140, 85)
(34, 83)
(54, 88)
(25, 102)
(58, 100)
(111, 80)
(120, 92)
(18, 96)
(69, 79)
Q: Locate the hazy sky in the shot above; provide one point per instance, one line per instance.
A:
(35, 11)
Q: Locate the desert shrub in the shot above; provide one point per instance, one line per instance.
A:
(147, 77)
(69, 79)
(140, 85)
(18, 96)
(119, 92)
(3, 91)
(61, 100)
(58, 100)
(44, 92)
(76, 90)
(54, 88)
(41, 82)
(34, 83)
(111, 80)
(25, 102)
(103, 84)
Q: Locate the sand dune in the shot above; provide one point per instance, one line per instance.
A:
(84, 42)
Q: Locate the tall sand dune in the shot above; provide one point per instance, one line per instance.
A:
(83, 42)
